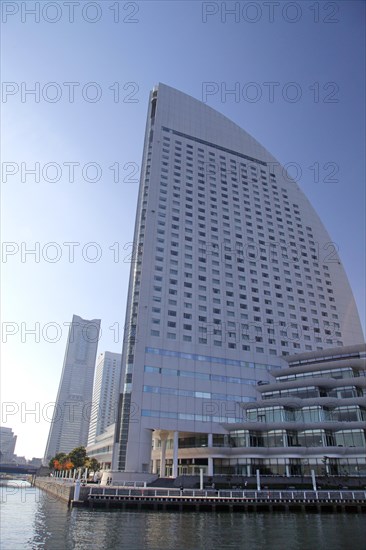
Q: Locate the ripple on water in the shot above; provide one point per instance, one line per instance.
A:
(32, 519)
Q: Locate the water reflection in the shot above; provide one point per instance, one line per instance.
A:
(191, 531)
(34, 520)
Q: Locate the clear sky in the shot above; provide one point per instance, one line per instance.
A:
(298, 72)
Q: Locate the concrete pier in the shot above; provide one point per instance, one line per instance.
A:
(139, 497)
(232, 501)
(62, 489)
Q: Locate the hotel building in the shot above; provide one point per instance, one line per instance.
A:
(233, 278)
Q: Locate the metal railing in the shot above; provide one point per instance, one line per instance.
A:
(226, 495)
(134, 484)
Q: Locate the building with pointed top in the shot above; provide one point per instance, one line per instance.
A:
(70, 422)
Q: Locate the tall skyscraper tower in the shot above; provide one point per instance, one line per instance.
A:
(105, 394)
(232, 269)
(70, 422)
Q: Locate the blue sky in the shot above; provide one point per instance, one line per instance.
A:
(314, 119)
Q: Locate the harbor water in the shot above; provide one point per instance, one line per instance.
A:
(32, 519)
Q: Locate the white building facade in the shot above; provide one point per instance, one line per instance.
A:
(7, 444)
(102, 447)
(232, 269)
(71, 417)
(105, 394)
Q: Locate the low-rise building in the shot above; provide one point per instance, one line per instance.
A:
(102, 448)
(311, 415)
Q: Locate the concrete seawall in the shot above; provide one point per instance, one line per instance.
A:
(230, 501)
(168, 499)
(62, 489)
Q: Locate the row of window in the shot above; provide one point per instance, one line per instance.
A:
(200, 375)
(290, 466)
(197, 394)
(268, 466)
(214, 146)
(191, 417)
(210, 359)
(301, 438)
(306, 414)
(313, 391)
(233, 345)
(272, 438)
(336, 373)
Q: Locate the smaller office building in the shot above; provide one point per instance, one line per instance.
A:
(102, 448)
(105, 394)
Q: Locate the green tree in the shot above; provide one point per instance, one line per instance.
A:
(93, 465)
(78, 457)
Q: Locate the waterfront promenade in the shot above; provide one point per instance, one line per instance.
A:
(176, 499)
(225, 500)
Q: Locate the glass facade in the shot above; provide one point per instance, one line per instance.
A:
(322, 428)
(289, 467)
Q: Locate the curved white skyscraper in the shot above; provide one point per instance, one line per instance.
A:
(232, 269)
